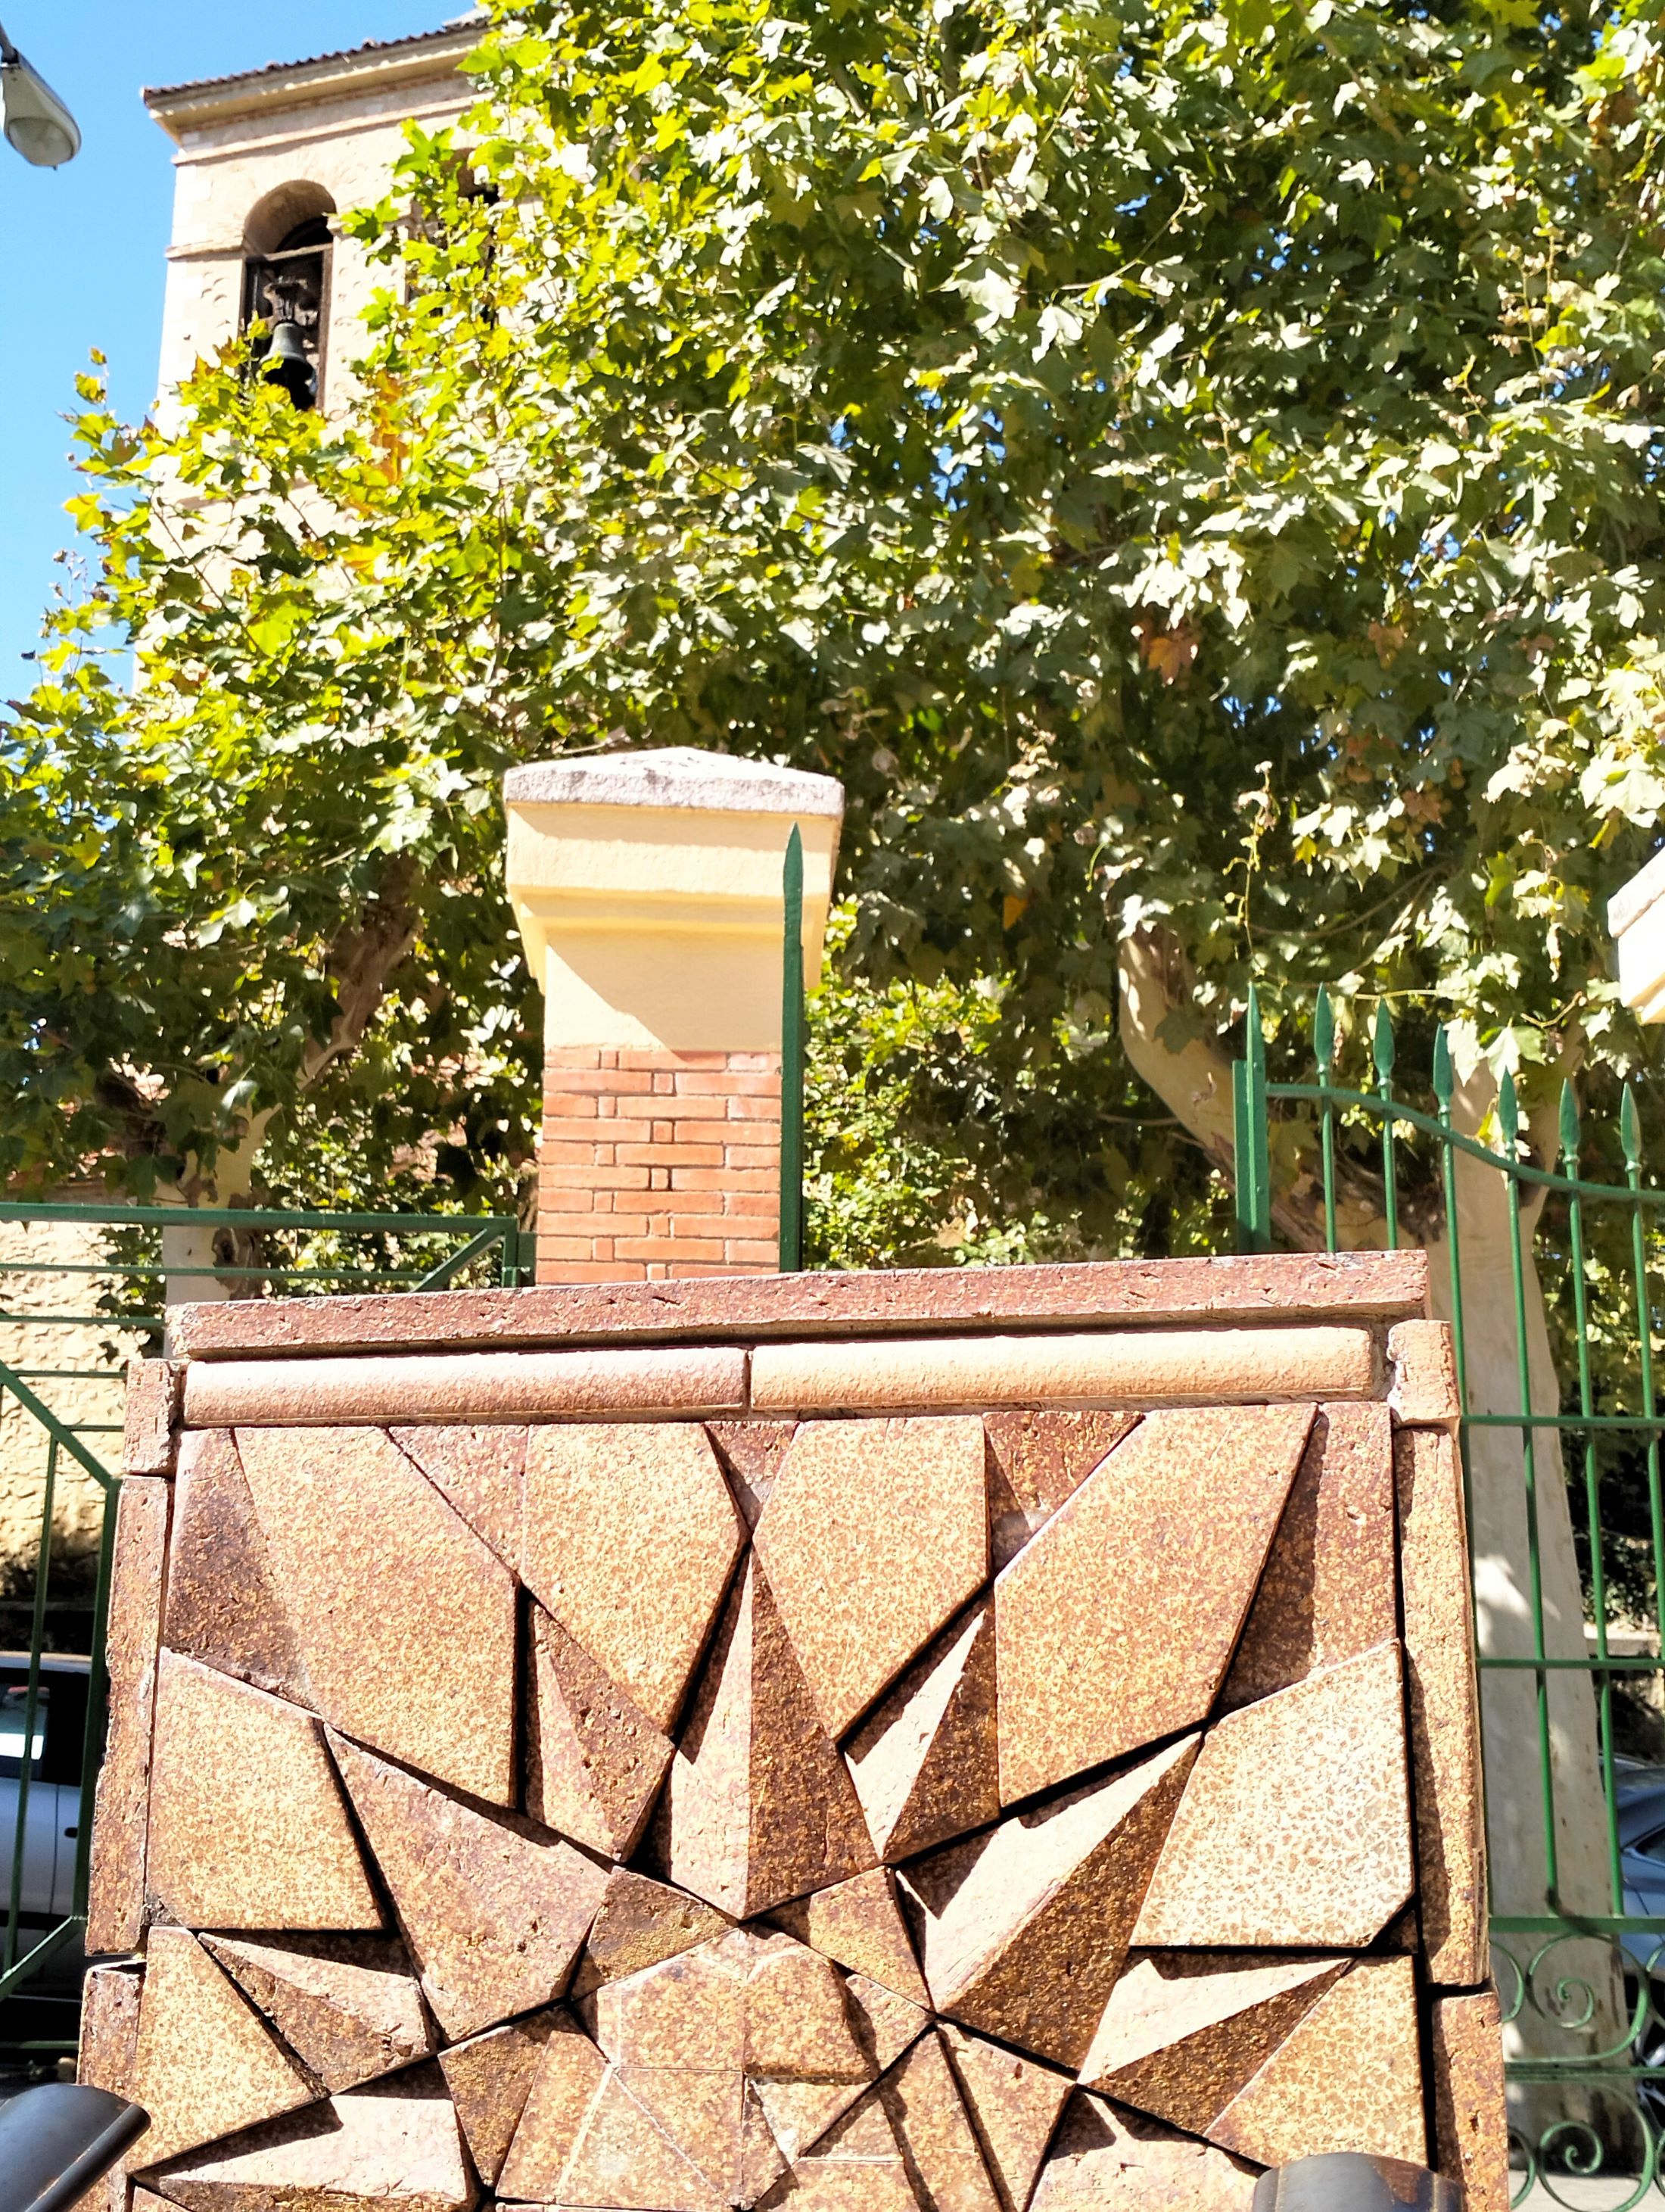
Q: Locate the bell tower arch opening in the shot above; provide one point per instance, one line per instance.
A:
(287, 242)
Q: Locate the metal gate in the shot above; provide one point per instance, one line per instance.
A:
(1575, 1732)
(80, 1293)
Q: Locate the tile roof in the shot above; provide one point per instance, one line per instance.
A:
(310, 61)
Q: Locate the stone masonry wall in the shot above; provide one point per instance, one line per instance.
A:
(899, 1743)
(656, 1165)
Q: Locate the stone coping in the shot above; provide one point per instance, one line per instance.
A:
(1278, 1287)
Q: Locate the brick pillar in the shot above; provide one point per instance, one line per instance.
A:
(656, 1163)
(647, 887)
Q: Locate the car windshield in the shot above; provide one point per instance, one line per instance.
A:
(1652, 1846)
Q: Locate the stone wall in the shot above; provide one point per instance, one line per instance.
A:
(914, 1743)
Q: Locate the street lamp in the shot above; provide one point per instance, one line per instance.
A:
(37, 122)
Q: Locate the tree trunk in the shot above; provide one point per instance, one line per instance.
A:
(1193, 1078)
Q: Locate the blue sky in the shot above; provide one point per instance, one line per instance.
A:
(82, 247)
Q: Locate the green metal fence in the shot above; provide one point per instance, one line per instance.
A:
(83, 1289)
(1550, 1279)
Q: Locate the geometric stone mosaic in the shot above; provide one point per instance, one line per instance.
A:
(955, 1814)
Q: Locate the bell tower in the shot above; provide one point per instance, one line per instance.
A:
(267, 161)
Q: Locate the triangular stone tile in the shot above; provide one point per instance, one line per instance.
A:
(566, 2082)
(1106, 2159)
(641, 1922)
(1253, 1855)
(759, 1807)
(884, 2023)
(1184, 2031)
(405, 1619)
(206, 2063)
(875, 1533)
(1022, 1930)
(797, 2025)
(762, 2160)
(494, 1911)
(594, 1760)
(801, 2112)
(623, 2159)
(701, 2113)
(221, 1607)
(347, 2005)
(482, 1471)
(630, 1535)
(1180, 1514)
(1327, 1592)
(923, 2101)
(926, 1761)
(752, 1452)
(859, 1923)
(489, 2078)
(857, 2167)
(248, 1826)
(1014, 2103)
(687, 2011)
(1035, 1461)
(1348, 2077)
(392, 2143)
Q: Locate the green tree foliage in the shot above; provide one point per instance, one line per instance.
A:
(1193, 471)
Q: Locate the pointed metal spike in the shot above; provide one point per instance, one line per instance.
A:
(1382, 1043)
(1252, 1016)
(1570, 1127)
(1444, 1079)
(1509, 1112)
(1323, 1033)
(1630, 1128)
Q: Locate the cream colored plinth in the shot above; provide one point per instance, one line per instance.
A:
(1635, 915)
(648, 890)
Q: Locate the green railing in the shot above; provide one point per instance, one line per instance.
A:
(1558, 1275)
(83, 1289)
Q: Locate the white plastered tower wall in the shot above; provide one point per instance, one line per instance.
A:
(329, 131)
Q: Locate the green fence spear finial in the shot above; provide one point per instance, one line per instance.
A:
(1381, 1042)
(1509, 1114)
(1323, 1033)
(1444, 1080)
(1630, 1128)
(1570, 1127)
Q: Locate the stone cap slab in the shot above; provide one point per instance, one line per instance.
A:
(1283, 1287)
(674, 775)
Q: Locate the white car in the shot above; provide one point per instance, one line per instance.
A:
(51, 1819)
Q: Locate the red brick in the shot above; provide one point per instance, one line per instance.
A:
(573, 1055)
(563, 1154)
(698, 1084)
(700, 1110)
(764, 1203)
(695, 1201)
(604, 1082)
(634, 1056)
(588, 1271)
(569, 1106)
(748, 1253)
(758, 1180)
(673, 1156)
(565, 1248)
(754, 1108)
(746, 1156)
(669, 1248)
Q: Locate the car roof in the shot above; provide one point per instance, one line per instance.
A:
(51, 1663)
